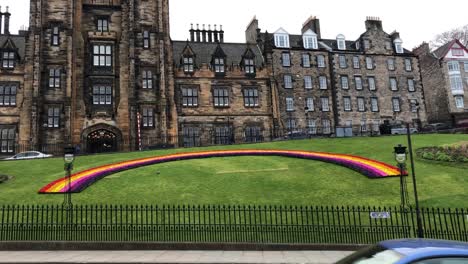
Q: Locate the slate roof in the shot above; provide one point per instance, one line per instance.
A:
(204, 51)
(442, 51)
(18, 41)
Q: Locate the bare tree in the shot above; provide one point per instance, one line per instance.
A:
(460, 33)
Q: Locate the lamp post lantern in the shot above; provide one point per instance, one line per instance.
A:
(68, 159)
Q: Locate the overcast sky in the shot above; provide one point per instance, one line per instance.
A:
(416, 20)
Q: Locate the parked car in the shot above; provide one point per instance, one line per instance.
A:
(29, 155)
(436, 127)
(402, 130)
(417, 251)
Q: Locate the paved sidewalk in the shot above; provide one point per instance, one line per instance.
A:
(165, 256)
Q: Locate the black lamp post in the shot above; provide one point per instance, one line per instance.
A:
(401, 157)
(68, 159)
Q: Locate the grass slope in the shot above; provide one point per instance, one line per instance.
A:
(250, 180)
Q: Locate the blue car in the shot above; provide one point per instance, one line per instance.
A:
(415, 251)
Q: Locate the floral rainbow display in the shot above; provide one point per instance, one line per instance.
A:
(81, 180)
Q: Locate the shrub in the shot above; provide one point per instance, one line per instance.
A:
(4, 178)
(427, 155)
(442, 156)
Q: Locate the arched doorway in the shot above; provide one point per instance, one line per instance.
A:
(101, 141)
(102, 138)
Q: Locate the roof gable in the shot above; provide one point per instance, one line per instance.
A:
(309, 32)
(8, 44)
(281, 31)
(219, 52)
(443, 51)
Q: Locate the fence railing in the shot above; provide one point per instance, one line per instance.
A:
(227, 224)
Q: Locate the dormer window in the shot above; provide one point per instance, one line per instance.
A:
(310, 40)
(8, 59)
(146, 39)
(103, 24)
(219, 65)
(366, 44)
(398, 45)
(281, 38)
(249, 66)
(188, 64)
(340, 42)
(55, 36)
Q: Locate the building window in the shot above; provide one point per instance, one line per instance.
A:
(289, 104)
(457, 52)
(191, 137)
(54, 78)
(146, 39)
(347, 103)
(288, 81)
(323, 82)
(320, 61)
(103, 25)
(8, 94)
(398, 45)
(249, 66)
(388, 45)
(374, 104)
(102, 94)
(312, 126)
(219, 65)
(253, 134)
(344, 82)
(366, 44)
(308, 82)
(342, 61)
(147, 77)
(325, 104)
(393, 84)
(55, 36)
(356, 62)
(411, 87)
(102, 55)
(8, 60)
(408, 65)
(221, 97)
(358, 81)
(291, 124)
(281, 40)
(326, 126)
(251, 97)
(453, 66)
(456, 83)
(53, 117)
(189, 97)
(310, 42)
(361, 104)
(306, 60)
(188, 64)
(7, 140)
(148, 117)
(286, 59)
(396, 104)
(340, 41)
(414, 105)
(363, 126)
(223, 135)
(372, 86)
(459, 102)
(310, 107)
(391, 64)
(369, 63)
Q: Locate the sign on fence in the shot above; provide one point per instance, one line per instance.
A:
(380, 215)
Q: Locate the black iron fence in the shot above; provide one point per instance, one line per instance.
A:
(227, 224)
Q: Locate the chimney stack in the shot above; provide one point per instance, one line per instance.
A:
(206, 35)
(1, 19)
(312, 23)
(373, 23)
(198, 33)
(221, 34)
(210, 34)
(192, 33)
(6, 15)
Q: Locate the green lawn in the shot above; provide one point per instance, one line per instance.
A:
(250, 180)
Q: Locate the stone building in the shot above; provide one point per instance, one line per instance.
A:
(445, 77)
(12, 92)
(222, 90)
(95, 68)
(329, 84)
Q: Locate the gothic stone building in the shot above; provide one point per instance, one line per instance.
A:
(324, 84)
(222, 91)
(445, 75)
(96, 67)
